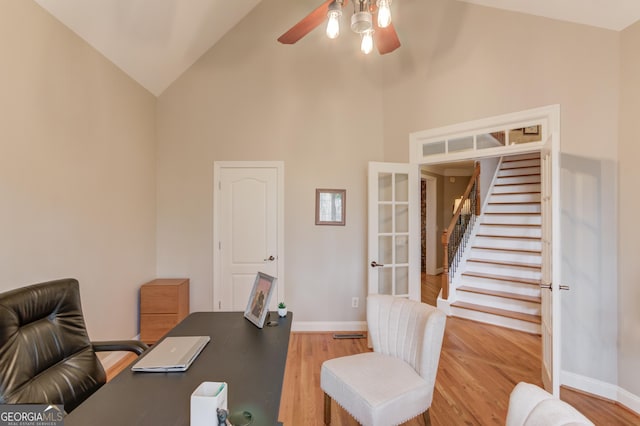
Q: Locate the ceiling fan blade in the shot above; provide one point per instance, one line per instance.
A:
(307, 24)
(386, 39)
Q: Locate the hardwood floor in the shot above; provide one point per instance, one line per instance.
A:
(479, 366)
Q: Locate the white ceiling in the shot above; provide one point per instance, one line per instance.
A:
(155, 41)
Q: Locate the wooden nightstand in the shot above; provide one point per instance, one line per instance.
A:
(163, 304)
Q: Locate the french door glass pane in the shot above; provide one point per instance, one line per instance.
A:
(402, 187)
(402, 218)
(385, 187)
(385, 250)
(402, 280)
(384, 281)
(402, 249)
(385, 219)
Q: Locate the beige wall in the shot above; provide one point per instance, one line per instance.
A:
(629, 175)
(314, 105)
(77, 169)
(322, 108)
(461, 62)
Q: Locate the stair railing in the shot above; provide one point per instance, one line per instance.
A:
(456, 236)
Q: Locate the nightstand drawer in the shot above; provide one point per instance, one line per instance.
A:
(154, 326)
(159, 299)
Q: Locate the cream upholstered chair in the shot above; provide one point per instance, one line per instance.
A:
(395, 382)
(530, 405)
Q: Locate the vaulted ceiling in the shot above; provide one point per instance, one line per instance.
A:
(155, 41)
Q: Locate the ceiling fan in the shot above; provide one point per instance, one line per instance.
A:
(371, 20)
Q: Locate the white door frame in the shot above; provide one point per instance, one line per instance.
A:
(433, 147)
(217, 261)
(431, 226)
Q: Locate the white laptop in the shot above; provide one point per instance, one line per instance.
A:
(172, 354)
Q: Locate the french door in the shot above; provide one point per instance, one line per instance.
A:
(551, 263)
(394, 230)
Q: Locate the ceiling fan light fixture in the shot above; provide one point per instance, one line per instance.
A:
(366, 46)
(384, 13)
(361, 22)
(334, 14)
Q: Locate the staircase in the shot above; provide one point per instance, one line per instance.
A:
(499, 283)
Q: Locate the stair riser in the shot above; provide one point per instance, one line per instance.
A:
(513, 208)
(519, 164)
(521, 306)
(497, 285)
(515, 198)
(534, 219)
(508, 243)
(517, 179)
(502, 256)
(525, 187)
(510, 231)
(496, 320)
(504, 270)
(519, 171)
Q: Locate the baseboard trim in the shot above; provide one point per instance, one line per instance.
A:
(629, 400)
(601, 389)
(316, 326)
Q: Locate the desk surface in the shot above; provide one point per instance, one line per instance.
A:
(249, 359)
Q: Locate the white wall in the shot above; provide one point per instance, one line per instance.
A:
(77, 168)
(629, 231)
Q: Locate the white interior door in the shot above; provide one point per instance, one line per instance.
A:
(551, 262)
(247, 232)
(394, 230)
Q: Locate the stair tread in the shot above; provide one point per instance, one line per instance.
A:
(527, 281)
(498, 194)
(503, 203)
(515, 225)
(518, 237)
(507, 263)
(510, 250)
(521, 175)
(508, 213)
(517, 183)
(501, 312)
(503, 294)
(524, 158)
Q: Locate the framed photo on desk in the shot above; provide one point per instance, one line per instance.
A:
(258, 305)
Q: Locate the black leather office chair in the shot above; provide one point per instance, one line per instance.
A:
(46, 356)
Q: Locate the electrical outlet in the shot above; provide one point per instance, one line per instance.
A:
(354, 302)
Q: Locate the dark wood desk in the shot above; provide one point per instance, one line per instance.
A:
(249, 359)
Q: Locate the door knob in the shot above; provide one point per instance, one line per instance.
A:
(375, 264)
(270, 259)
(548, 286)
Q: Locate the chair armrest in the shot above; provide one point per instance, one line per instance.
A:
(120, 345)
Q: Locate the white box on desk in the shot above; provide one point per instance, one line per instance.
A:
(205, 400)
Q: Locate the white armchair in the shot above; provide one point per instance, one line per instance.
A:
(395, 382)
(530, 405)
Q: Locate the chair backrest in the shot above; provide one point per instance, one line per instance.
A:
(530, 405)
(408, 330)
(45, 352)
